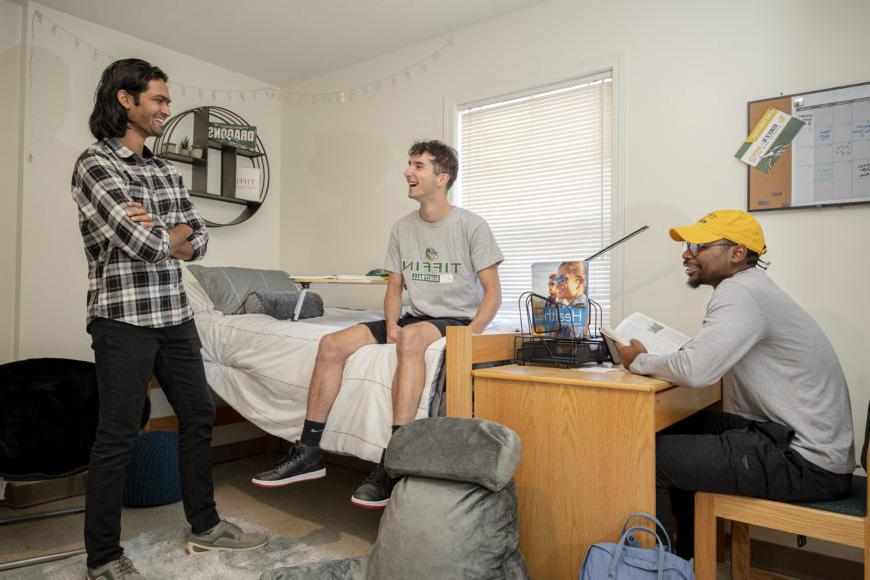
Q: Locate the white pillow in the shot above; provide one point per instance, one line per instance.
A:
(196, 295)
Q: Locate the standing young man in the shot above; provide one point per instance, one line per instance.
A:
(787, 433)
(137, 222)
(448, 260)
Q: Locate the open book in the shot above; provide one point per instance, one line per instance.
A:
(655, 336)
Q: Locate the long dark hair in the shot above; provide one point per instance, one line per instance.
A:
(109, 118)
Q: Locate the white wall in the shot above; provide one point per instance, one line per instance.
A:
(10, 71)
(59, 96)
(690, 68)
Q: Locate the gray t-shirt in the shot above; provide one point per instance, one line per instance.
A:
(439, 262)
(776, 364)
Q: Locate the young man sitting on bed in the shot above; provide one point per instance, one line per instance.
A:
(448, 260)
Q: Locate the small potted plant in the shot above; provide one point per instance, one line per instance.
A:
(185, 146)
(169, 147)
(196, 151)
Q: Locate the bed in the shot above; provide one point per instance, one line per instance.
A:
(261, 368)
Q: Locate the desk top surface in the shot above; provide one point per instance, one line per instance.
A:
(593, 376)
(377, 280)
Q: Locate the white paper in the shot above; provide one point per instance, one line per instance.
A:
(831, 157)
(655, 336)
(365, 278)
(248, 183)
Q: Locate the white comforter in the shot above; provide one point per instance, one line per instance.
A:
(261, 367)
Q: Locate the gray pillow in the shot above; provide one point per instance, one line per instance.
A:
(457, 449)
(228, 286)
(445, 529)
(281, 304)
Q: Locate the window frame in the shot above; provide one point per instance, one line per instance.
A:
(549, 79)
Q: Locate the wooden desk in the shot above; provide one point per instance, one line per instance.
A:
(306, 281)
(588, 457)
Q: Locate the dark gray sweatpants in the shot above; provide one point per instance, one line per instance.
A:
(726, 453)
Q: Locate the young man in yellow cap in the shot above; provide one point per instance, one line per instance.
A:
(787, 430)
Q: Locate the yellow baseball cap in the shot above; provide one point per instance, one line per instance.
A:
(731, 224)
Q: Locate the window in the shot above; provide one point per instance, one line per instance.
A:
(537, 167)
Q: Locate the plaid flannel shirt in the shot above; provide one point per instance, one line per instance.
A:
(132, 278)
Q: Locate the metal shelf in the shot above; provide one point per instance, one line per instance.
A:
(183, 158)
(227, 158)
(237, 150)
(224, 198)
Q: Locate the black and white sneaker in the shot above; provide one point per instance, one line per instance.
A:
(301, 464)
(375, 491)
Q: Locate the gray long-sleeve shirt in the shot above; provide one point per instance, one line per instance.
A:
(776, 364)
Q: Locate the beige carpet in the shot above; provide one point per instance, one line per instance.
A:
(316, 514)
(160, 554)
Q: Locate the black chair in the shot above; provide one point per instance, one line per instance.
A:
(48, 423)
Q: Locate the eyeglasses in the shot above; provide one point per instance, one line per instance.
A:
(695, 249)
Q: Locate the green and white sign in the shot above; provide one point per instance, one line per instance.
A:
(239, 136)
(768, 141)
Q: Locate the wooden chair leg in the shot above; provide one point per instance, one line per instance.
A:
(705, 537)
(739, 551)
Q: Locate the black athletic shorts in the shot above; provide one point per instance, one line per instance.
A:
(378, 328)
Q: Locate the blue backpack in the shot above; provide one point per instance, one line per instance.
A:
(626, 560)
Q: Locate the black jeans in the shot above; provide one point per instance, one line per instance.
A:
(126, 356)
(725, 453)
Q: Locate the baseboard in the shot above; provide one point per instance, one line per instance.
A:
(349, 462)
(800, 563)
(279, 446)
(223, 416)
(21, 494)
(241, 449)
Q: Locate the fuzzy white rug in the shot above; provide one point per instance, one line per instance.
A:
(160, 554)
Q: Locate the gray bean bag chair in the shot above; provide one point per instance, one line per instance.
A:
(452, 515)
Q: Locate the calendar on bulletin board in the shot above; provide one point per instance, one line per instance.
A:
(828, 162)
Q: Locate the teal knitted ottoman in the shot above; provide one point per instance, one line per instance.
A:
(152, 474)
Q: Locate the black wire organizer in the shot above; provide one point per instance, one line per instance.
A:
(555, 345)
(563, 346)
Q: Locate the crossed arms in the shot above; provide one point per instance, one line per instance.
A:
(105, 202)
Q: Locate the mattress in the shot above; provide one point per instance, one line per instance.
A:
(262, 367)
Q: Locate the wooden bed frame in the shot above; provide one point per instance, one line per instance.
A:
(463, 351)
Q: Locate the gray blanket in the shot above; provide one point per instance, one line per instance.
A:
(281, 304)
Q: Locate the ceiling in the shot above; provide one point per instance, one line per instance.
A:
(286, 41)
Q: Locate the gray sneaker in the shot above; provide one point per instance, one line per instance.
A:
(120, 568)
(225, 536)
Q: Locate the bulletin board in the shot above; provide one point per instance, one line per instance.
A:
(828, 162)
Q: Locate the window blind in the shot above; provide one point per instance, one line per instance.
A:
(537, 166)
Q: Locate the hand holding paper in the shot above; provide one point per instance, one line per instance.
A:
(637, 332)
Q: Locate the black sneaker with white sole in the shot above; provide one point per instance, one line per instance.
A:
(375, 491)
(301, 464)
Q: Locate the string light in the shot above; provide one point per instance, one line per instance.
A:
(343, 96)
